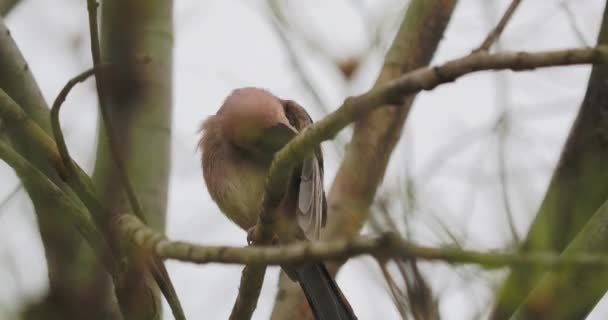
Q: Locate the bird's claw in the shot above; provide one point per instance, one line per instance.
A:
(252, 237)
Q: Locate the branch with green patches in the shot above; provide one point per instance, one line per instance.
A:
(35, 182)
(385, 246)
(392, 93)
(155, 266)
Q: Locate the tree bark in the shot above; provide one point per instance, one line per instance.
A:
(139, 102)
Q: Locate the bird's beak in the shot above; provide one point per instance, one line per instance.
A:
(275, 138)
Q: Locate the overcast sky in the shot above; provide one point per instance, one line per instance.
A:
(450, 147)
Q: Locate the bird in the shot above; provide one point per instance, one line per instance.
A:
(238, 144)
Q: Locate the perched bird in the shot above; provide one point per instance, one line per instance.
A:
(238, 144)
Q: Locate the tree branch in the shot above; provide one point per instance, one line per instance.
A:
(6, 6)
(493, 36)
(395, 91)
(386, 246)
(374, 137)
(558, 293)
(38, 185)
(155, 266)
(578, 187)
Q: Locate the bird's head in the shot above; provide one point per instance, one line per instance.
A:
(253, 119)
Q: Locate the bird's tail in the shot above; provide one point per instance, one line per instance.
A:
(323, 295)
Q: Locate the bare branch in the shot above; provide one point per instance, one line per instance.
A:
(252, 279)
(493, 36)
(384, 246)
(392, 93)
(67, 161)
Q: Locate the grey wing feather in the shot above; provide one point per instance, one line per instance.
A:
(310, 199)
(312, 207)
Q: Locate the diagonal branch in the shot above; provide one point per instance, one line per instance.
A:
(493, 36)
(393, 93)
(38, 185)
(6, 6)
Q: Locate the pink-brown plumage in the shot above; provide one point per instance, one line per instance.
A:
(236, 161)
(238, 144)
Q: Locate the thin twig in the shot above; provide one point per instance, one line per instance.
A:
(9, 196)
(279, 25)
(392, 93)
(68, 165)
(573, 25)
(497, 31)
(157, 268)
(398, 296)
(503, 128)
(66, 159)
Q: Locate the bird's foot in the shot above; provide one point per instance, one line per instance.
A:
(250, 235)
(253, 237)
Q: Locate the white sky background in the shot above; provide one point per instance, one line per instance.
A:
(448, 147)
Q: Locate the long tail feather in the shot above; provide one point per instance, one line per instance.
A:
(324, 297)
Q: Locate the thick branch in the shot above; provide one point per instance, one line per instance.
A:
(39, 186)
(152, 264)
(571, 293)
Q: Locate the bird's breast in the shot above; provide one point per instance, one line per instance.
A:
(239, 187)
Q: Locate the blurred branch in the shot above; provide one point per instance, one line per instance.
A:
(9, 196)
(571, 293)
(399, 299)
(502, 129)
(68, 260)
(394, 92)
(37, 183)
(578, 187)
(493, 36)
(18, 123)
(384, 246)
(252, 279)
(156, 267)
(376, 134)
(277, 21)
(573, 25)
(6, 6)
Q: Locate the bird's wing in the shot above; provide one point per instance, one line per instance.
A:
(312, 207)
